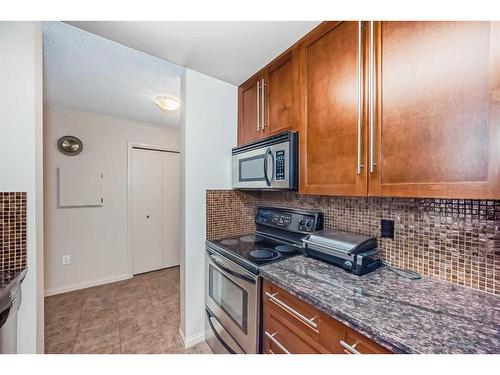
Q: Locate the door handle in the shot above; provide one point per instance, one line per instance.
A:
(214, 330)
(360, 113)
(371, 100)
(229, 271)
(275, 300)
(266, 175)
(350, 348)
(276, 342)
(258, 105)
(263, 109)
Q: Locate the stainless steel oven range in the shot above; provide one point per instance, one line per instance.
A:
(233, 284)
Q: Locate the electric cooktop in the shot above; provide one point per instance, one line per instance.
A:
(278, 236)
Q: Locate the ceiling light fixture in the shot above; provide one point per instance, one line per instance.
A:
(167, 103)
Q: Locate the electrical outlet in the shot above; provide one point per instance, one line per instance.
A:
(66, 259)
(387, 228)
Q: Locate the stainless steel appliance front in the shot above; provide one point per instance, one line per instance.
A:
(270, 163)
(232, 301)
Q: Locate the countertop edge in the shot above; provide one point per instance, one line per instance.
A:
(395, 347)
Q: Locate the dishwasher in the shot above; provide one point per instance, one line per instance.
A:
(8, 320)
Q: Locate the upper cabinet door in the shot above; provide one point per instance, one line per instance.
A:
(436, 119)
(249, 118)
(280, 102)
(332, 110)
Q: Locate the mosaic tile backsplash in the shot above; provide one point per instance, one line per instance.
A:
(12, 231)
(450, 239)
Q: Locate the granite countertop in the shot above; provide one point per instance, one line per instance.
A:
(406, 316)
(9, 279)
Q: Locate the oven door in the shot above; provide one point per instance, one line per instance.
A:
(232, 296)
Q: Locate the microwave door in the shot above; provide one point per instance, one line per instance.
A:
(249, 169)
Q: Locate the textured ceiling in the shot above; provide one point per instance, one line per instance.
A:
(90, 73)
(229, 50)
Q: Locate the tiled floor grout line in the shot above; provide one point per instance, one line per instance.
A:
(79, 321)
(150, 297)
(118, 322)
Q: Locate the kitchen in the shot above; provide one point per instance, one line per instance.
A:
(400, 274)
(338, 195)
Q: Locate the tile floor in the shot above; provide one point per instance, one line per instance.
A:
(139, 315)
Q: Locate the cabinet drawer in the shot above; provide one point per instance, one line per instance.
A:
(354, 343)
(300, 328)
(301, 315)
(281, 338)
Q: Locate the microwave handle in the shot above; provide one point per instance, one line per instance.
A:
(268, 153)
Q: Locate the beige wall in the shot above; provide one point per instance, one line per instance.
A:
(94, 237)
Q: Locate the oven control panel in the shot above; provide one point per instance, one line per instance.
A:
(288, 219)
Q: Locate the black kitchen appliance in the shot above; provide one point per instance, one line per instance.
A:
(355, 253)
(233, 284)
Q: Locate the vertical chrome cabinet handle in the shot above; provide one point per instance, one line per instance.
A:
(360, 69)
(258, 105)
(278, 344)
(371, 100)
(349, 348)
(263, 109)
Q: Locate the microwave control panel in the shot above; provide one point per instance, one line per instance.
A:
(280, 165)
(292, 221)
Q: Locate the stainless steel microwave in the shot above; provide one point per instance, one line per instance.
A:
(270, 163)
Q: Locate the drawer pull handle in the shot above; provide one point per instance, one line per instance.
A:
(350, 348)
(278, 344)
(309, 322)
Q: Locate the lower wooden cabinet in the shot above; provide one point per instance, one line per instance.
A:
(291, 326)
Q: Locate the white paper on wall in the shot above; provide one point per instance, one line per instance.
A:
(80, 187)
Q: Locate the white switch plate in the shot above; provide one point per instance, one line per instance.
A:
(66, 259)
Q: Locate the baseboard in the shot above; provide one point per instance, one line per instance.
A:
(192, 340)
(89, 284)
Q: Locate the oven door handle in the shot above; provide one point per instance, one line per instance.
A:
(229, 271)
(268, 153)
(214, 330)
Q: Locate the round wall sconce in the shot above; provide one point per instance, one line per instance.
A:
(70, 145)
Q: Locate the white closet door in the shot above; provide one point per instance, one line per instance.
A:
(155, 188)
(147, 210)
(171, 208)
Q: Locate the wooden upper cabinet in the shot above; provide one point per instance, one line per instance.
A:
(437, 110)
(248, 105)
(280, 87)
(268, 101)
(332, 110)
(410, 110)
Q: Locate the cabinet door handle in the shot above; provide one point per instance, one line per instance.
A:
(371, 88)
(263, 109)
(309, 322)
(360, 69)
(350, 348)
(278, 344)
(258, 105)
